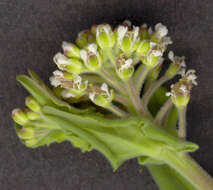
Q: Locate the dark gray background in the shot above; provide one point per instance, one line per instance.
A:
(31, 32)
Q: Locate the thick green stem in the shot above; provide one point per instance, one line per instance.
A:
(167, 178)
(182, 123)
(188, 169)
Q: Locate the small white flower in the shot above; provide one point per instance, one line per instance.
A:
(127, 64)
(103, 27)
(58, 73)
(93, 48)
(61, 60)
(54, 81)
(176, 59)
(191, 76)
(127, 22)
(161, 30)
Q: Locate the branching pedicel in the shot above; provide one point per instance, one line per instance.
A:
(107, 95)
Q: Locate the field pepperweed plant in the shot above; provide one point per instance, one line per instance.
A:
(108, 94)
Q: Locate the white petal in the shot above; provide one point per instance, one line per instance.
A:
(93, 48)
(121, 33)
(83, 55)
(161, 30)
(58, 73)
(92, 96)
(61, 60)
(127, 22)
(54, 81)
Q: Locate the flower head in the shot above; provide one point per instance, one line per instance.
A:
(105, 36)
(101, 95)
(124, 68)
(72, 84)
(177, 65)
(72, 65)
(91, 57)
(128, 39)
(181, 91)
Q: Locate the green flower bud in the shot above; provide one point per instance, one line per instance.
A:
(26, 132)
(144, 35)
(105, 36)
(143, 47)
(84, 38)
(32, 104)
(101, 96)
(70, 50)
(91, 58)
(31, 115)
(128, 40)
(19, 116)
(124, 68)
(72, 65)
(177, 66)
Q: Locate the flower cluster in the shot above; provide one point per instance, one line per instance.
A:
(108, 67)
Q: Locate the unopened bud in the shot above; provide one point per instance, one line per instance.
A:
(19, 116)
(143, 47)
(70, 50)
(26, 132)
(32, 104)
(31, 115)
(84, 38)
(72, 65)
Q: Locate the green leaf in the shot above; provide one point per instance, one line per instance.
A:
(118, 140)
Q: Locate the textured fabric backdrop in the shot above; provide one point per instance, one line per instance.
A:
(31, 32)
